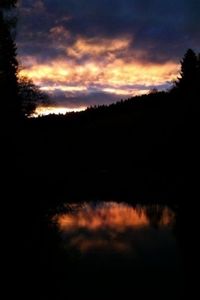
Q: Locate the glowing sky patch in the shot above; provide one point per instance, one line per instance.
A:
(44, 110)
(103, 73)
(100, 72)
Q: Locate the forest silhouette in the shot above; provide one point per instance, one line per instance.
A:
(143, 148)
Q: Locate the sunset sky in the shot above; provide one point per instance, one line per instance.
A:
(86, 52)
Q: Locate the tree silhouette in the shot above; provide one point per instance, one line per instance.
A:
(8, 61)
(30, 96)
(187, 81)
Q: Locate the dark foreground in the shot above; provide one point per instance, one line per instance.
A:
(142, 156)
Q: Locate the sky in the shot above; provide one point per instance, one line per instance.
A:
(93, 52)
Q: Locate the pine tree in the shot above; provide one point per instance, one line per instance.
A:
(8, 63)
(187, 82)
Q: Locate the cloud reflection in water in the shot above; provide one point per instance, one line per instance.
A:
(110, 226)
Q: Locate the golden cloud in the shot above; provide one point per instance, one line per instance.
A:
(95, 46)
(103, 68)
(66, 76)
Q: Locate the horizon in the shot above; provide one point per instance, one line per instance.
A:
(56, 110)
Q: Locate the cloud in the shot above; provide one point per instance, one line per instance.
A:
(96, 46)
(82, 99)
(110, 71)
(153, 24)
(109, 44)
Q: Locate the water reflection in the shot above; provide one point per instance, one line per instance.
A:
(114, 227)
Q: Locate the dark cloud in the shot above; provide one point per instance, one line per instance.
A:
(81, 99)
(94, 96)
(164, 28)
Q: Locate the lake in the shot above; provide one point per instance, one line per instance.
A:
(107, 249)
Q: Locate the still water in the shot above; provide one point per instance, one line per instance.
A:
(112, 249)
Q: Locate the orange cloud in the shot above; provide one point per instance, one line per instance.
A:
(102, 67)
(64, 74)
(98, 46)
(137, 73)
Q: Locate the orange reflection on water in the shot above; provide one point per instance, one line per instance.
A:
(117, 216)
(86, 244)
(109, 225)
